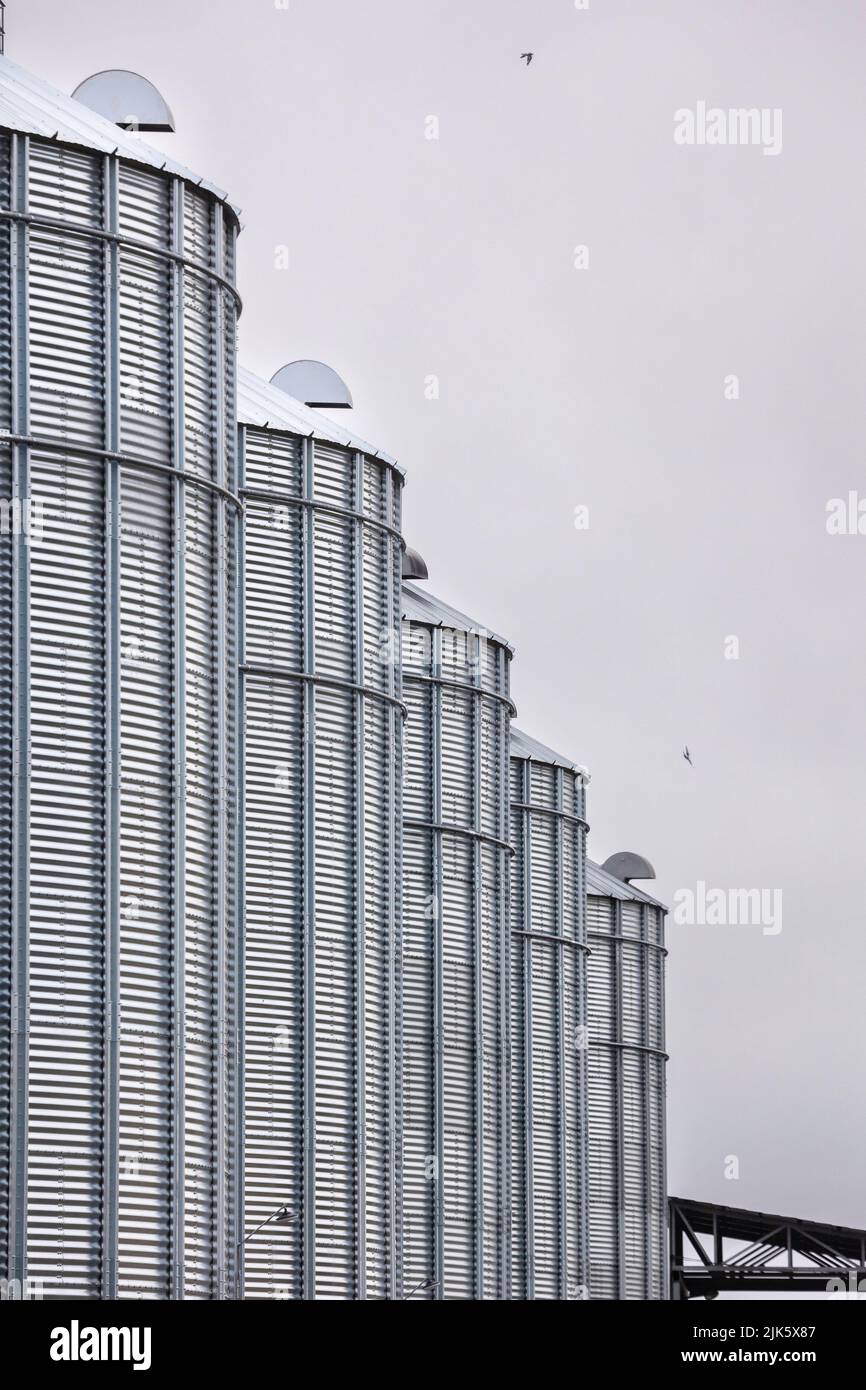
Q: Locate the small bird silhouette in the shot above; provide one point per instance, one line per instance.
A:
(687, 755)
(528, 57)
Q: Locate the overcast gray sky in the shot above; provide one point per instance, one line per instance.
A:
(601, 387)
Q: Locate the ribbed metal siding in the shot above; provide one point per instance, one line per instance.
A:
(626, 1100)
(123, 1040)
(549, 1198)
(455, 964)
(322, 751)
(6, 729)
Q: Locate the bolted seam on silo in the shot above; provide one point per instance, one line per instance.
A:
(118, 919)
(322, 741)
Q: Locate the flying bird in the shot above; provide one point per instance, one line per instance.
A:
(528, 57)
(687, 755)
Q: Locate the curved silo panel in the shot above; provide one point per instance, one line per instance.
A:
(627, 1180)
(549, 1199)
(455, 954)
(322, 751)
(117, 320)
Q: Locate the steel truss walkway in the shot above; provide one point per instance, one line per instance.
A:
(717, 1249)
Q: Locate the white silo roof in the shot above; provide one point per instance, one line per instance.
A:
(33, 107)
(268, 407)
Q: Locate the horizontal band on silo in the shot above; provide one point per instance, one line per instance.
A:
(413, 677)
(534, 808)
(630, 1047)
(629, 941)
(281, 673)
(95, 233)
(461, 831)
(84, 453)
(287, 499)
(552, 936)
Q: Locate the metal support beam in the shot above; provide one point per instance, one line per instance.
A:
(309, 902)
(438, 974)
(504, 709)
(21, 754)
(394, 908)
(560, 966)
(240, 882)
(224, 432)
(179, 771)
(528, 1050)
(474, 653)
(619, 1093)
(717, 1249)
(360, 875)
(111, 738)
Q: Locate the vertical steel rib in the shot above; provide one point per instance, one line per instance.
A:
(20, 1020)
(581, 1043)
(647, 1062)
(438, 966)
(619, 1100)
(178, 847)
(358, 830)
(309, 910)
(240, 883)
(473, 644)
(526, 948)
(663, 1176)
(560, 965)
(394, 911)
(111, 738)
(221, 809)
(503, 726)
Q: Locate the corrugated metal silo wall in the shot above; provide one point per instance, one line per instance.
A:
(549, 1199)
(627, 1100)
(322, 749)
(117, 318)
(455, 964)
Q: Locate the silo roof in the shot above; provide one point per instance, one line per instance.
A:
(420, 606)
(522, 746)
(268, 407)
(33, 107)
(600, 884)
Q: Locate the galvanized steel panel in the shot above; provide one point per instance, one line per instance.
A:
(455, 956)
(322, 747)
(550, 1257)
(627, 1178)
(119, 1088)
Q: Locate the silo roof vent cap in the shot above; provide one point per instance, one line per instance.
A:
(314, 383)
(126, 99)
(625, 866)
(413, 565)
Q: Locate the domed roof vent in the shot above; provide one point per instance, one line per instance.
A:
(126, 99)
(314, 383)
(413, 565)
(626, 866)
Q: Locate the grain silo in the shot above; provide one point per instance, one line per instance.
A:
(455, 953)
(117, 325)
(322, 747)
(549, 1198)
(627, 1179)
